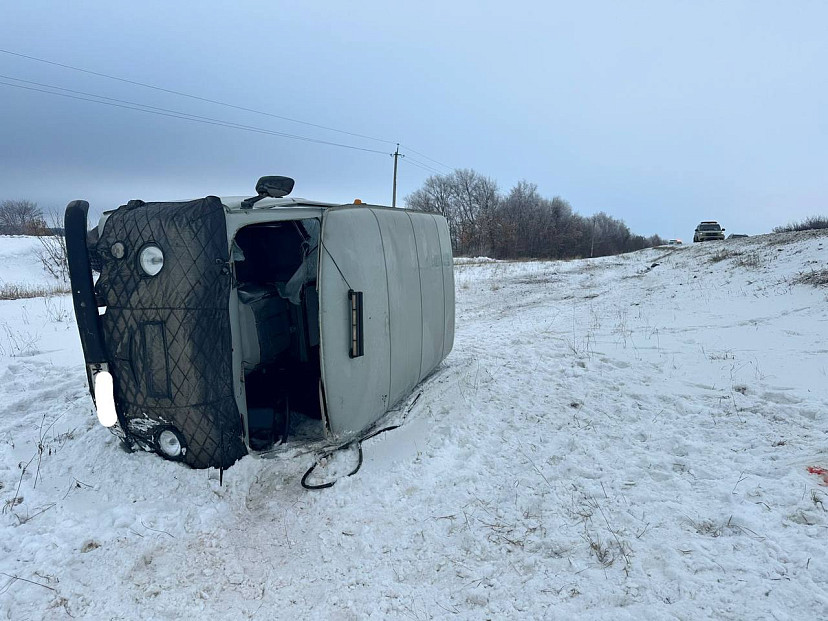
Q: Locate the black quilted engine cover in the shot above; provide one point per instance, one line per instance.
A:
(168, 336)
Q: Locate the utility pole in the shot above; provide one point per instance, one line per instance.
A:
(396, 155)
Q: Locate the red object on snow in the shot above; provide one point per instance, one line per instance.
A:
(821, 472)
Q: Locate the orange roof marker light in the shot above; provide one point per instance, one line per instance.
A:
(357, 201)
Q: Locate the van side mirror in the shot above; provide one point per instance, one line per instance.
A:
(274, 187)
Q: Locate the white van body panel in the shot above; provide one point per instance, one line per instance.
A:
(397, 259)
(352, 258)
(432, 292)
(404, 302)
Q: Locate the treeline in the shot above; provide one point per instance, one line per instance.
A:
(21, 217)
(808, 224)
(521, 224)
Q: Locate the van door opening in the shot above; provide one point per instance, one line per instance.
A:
(275, 268)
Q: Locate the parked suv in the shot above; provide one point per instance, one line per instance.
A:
(707, 230)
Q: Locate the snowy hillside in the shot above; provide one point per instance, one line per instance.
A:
(20, 263)
(620, 438)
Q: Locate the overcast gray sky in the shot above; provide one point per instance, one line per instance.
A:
(660, 113)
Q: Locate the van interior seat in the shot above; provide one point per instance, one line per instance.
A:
(264, 324)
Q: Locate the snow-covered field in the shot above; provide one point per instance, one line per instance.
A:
(618, 438)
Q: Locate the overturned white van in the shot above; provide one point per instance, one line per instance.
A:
(213, 320)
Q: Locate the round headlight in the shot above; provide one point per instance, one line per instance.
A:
(151, 260)
(170, 444)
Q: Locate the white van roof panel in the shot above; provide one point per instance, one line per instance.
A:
(234, 203)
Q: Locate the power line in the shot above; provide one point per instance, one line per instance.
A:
(123, 101)
(425, 167)
(138, 107)
(208, 120)
(421, 167)
(196, 97)
(423, 155)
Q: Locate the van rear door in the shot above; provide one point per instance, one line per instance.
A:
(386, 309)
(352, 262)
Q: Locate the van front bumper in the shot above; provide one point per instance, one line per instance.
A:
(86, 313)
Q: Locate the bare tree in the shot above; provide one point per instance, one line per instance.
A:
(475, 198)
(21, 217)
(52, 251)
(466, 199)
(434, 197)
(523, 223)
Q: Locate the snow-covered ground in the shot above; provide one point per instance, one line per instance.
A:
(20, 265)
(619, 438)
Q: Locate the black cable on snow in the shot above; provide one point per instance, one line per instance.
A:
(359, 442)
